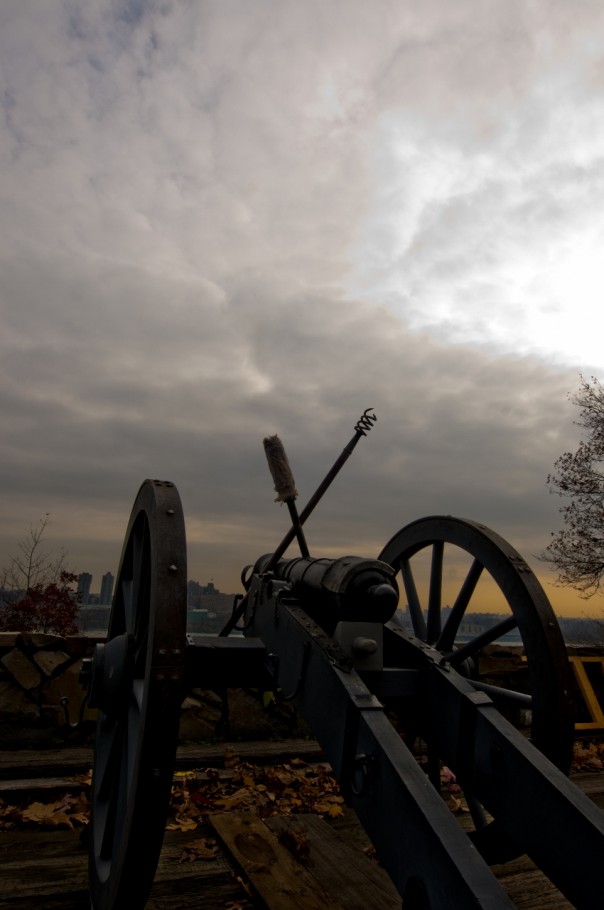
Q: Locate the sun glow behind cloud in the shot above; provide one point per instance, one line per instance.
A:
(549, 304)
(574, 283)
(482, 229)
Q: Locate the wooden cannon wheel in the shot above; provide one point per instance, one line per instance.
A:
(481, 559)
(137, 685)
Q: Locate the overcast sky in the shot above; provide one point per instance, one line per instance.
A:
(225, 220)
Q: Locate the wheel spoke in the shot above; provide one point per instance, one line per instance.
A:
(120, 796)
(110, 793)
(415, 610)
(125, 602)
(138, 691)
(500, 692)
(108, 830)
(119, 609)
(140, 654)
(107, 756)
(107, 846)
(117, 782)
(451, 627)
(481, 641)
(434, 597)
(134, 730)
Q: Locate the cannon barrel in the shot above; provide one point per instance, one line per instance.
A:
(349, 588)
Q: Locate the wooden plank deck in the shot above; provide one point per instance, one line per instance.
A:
(64, 762)
(46, 869)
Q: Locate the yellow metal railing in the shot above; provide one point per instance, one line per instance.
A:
(586, 688)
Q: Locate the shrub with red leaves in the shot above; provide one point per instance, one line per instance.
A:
(50, 608)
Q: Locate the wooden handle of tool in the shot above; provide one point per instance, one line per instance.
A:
(281, 472)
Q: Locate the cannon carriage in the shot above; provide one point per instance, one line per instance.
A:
(324, 633)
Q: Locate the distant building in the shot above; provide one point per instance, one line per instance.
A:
(197, 593)
(84, 582)
(106, 588)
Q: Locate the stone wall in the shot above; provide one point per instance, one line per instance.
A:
(37, 671)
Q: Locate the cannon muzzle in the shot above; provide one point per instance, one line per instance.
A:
(349, 588)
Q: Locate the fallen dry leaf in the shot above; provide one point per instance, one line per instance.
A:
(203, 848)
(457, 806)
(49, 814)
(182, 824)
(588, 756)
(286, 789)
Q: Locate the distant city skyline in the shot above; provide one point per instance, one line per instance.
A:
(195, 590)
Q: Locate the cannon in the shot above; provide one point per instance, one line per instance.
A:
(326, 634)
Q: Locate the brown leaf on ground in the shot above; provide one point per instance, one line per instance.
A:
(285, 789)
(182, 824)
(588, 756)
(201, 849)
(48, 814)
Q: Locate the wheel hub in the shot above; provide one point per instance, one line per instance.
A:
(111, 671)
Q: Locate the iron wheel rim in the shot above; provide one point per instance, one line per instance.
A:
(137, 725)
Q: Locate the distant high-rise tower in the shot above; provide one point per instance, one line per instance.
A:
(106, 588)
(84, 582)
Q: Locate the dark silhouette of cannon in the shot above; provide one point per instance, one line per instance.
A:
(324, 633)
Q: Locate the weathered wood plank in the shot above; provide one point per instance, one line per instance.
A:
(46, 785)
(48, 869)
(359, 882)
(40, 865)
(59, 762)
(273, 873)
(43, 763)
(528, 887)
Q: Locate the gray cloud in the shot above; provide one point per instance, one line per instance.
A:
(225, 221)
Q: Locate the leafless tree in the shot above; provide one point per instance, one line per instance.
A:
(33, 564)
(577, 550)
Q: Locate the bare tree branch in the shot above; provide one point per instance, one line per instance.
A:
(33, 564)
(577, 550)
(37, 592)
